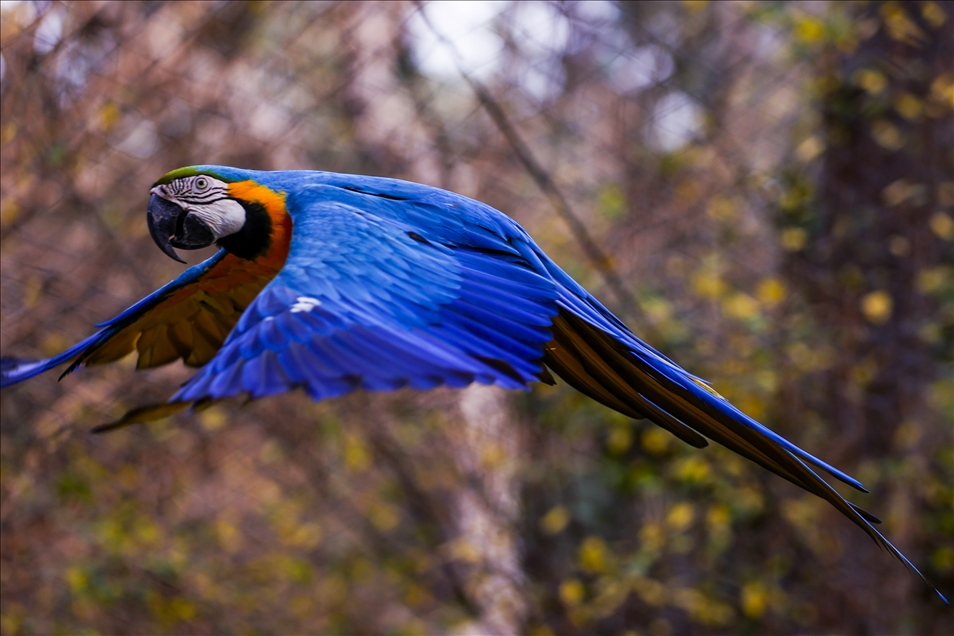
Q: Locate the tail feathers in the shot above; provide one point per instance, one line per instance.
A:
(142, 415)
(151, 413)
(864, 513)
(610, 370)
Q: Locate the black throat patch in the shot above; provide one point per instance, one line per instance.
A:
(255, 237)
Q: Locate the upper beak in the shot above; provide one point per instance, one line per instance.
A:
(171, 226)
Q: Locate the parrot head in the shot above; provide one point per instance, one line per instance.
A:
(190, 210)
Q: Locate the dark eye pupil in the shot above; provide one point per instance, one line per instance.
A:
(201, 183)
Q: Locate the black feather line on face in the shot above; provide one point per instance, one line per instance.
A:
(255, 237)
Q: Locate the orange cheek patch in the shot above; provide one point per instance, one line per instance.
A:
(274, 203)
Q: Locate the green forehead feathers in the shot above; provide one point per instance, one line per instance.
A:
(189, 171)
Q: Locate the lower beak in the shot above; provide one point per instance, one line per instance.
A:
(171, 226)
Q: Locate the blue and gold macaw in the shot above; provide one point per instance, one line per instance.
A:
(331, 283)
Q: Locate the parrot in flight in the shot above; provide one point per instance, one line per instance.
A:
(331, 282)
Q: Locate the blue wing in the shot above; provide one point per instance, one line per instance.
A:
(187, 318)
(367, 301)
(13, 370)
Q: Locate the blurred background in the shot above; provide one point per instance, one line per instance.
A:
(763, 190)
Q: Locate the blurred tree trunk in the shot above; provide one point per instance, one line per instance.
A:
(487, 453)
(873, 230)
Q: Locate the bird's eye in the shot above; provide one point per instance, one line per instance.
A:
(201, 184)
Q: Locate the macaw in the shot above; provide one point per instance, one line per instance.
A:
(330, 283)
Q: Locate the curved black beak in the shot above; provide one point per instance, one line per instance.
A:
(170, 226)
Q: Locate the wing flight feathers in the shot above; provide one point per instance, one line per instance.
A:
(587, 357)
(188, 318)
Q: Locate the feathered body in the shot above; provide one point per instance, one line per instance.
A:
(339, 282)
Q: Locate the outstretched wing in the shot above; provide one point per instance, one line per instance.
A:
(364, 301)
(188, 318)
(594, 352)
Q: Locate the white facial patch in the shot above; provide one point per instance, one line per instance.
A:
(222, 217)
(304, 303)
(207, 198)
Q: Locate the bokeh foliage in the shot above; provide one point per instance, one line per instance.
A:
(772, 183)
